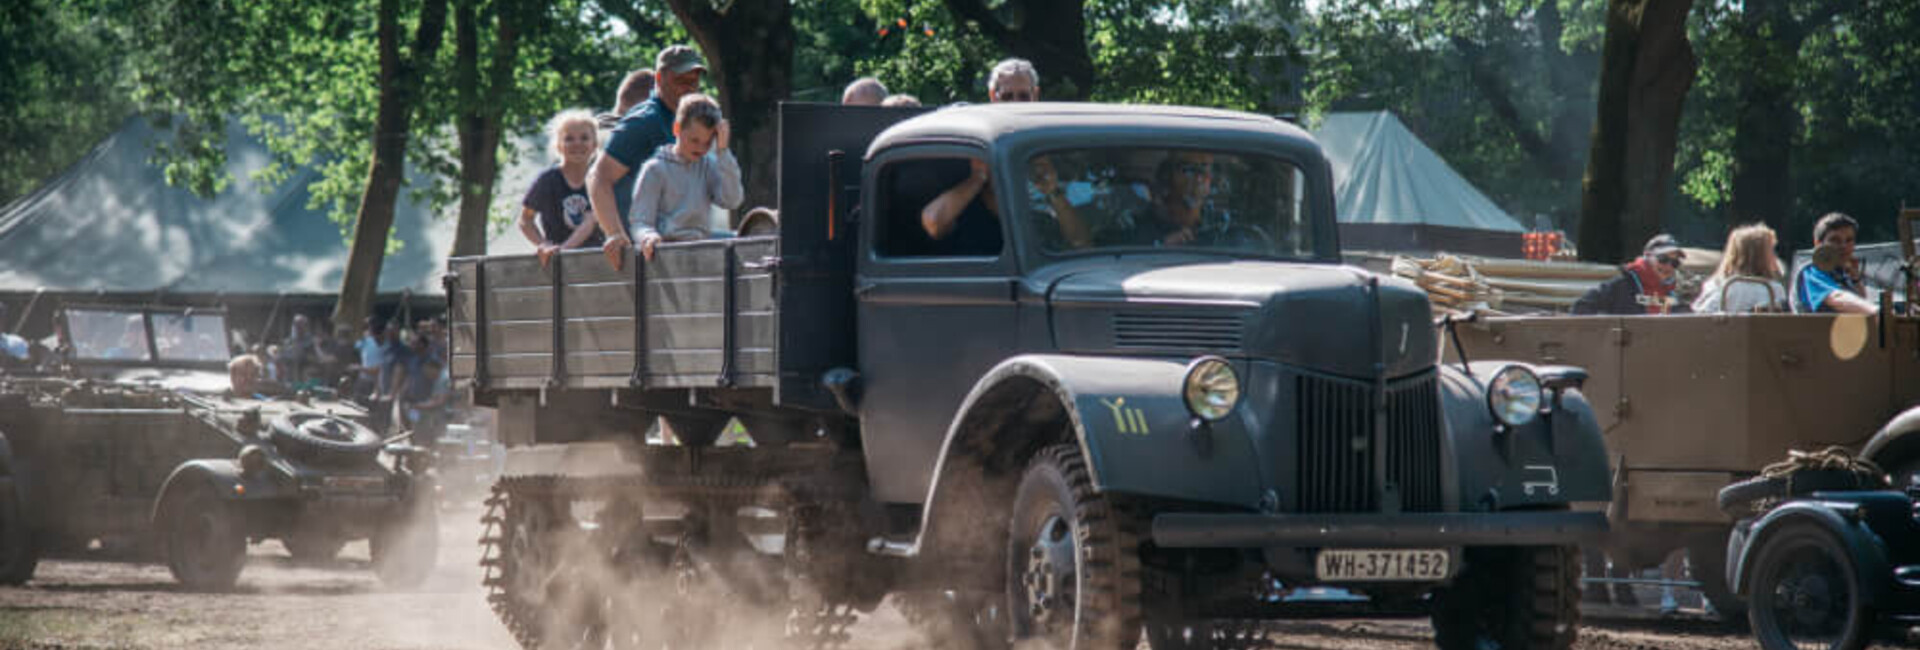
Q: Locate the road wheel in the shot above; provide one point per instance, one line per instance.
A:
(1708, 557)
(1510, 598)
(1073, 560)
(19, 552)
(205, 539)
(313, 548)
(1806, 593)
(407, 545)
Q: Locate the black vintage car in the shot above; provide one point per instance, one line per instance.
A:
(1130, 390)
(131, 440)
(1827, 558)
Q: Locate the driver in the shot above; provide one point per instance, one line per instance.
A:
(1182, 183)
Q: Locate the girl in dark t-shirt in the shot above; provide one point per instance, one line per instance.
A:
(558, 196)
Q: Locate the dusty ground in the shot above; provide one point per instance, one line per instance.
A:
(90, 604)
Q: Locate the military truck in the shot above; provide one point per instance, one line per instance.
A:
(133, 443)
(1143, 395)
(1691, 403)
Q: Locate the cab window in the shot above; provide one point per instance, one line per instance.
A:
(910, 188)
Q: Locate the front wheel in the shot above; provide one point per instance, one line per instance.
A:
(206, 541)
(1073, 560)
(1510, 598)
(1806, 593)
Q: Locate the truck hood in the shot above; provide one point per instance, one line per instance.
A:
(1316, 316)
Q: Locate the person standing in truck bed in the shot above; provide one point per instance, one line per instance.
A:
(680, 185)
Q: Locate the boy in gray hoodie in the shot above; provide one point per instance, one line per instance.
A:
(682, 181)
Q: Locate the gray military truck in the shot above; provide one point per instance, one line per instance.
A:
(1131, 390)
(132, 443)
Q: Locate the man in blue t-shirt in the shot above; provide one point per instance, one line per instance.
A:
(1829, 284)
(641, 132)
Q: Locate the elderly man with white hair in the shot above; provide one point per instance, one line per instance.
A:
(1013, 80)
(968, 208)
(865, 91)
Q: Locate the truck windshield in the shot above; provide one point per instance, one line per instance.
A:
(190, 337)
(108, 335)
(1109, 199)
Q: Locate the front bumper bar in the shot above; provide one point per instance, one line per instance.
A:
(1202, 530)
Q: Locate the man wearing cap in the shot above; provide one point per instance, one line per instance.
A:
(641, 132)
(1645, 285)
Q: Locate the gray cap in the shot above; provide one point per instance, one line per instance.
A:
(679, 59)
(1662, 244)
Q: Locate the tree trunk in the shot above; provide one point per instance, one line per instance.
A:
(1765, 116)
(1050, 33)
(399, 91)
(749, 51)
(1646, 69)
(479, 118)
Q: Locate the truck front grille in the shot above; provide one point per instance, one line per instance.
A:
(1337, 450)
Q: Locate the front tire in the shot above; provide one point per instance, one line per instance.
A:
(1073, 560)
(1806, 592)
(206, 540)
(1510, 598)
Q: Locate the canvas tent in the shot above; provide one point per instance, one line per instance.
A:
(1394, 194)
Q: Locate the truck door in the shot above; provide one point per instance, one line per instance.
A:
(934, 315)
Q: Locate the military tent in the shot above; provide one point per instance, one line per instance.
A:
(1394, 194)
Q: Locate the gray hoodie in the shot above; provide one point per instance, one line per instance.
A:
(674, 197)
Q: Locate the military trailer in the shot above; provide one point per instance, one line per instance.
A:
(134, 444)
(1692, 403)
(1141, 396)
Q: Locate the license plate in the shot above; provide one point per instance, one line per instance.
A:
(355, 483)
(1348, 565)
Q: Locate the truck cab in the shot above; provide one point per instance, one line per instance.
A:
(1100, 363)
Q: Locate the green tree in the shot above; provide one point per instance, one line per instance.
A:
(62, 88)
(1646, 68)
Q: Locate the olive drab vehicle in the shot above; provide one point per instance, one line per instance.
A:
(1133, 392)
(131, 441)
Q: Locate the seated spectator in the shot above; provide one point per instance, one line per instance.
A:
(1831, 284)
(901, 100)
(1644, 286)
(865, 91)
(684, 180)
(1745, 281)
(558, 196)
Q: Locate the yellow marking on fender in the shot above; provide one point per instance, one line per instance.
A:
(1129, 421)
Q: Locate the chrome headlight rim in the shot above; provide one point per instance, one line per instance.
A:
(1211, 388)
(1515, 395)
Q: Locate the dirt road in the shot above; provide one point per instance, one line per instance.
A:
(93, 604)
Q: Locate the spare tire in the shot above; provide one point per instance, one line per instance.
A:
(323, 438)
(1747, 498)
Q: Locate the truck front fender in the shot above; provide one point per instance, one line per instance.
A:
(1896, 446)
(1558, 458)
(1126, 415)
(223, 475)
(1869, 555)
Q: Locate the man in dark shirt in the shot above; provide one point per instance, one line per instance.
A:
(1182, 183)
(1644, 286)
(644, 129)
(964, 220)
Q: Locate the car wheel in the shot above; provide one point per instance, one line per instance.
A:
(1073, 560)
(313, 548)
(1805, 593)
(1510, 598)
(206, 542)
(19, 555)
(407, 545)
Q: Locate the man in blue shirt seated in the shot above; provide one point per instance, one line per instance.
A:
(1831, 283)
(641, 132)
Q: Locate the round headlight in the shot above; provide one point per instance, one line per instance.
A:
(1514, 396)
(1212, 388)
(252, 459)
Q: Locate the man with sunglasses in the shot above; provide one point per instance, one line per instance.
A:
(1177, 215)
(1645, 285)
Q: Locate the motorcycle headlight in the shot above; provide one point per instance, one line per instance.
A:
(1212, 388)
(1514, 396)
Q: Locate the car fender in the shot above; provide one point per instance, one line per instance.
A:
(1897, 443)
(223, 475)
(1126, 415)
(1870, 562)
(1559, 458)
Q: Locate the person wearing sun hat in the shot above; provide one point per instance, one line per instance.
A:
(1644, 286)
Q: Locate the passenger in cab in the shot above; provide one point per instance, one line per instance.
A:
(683, 181)
(1745, 281)
(966, 216)
(1177, 212)
(1644, 286)
(557, 214)
(1831, 283)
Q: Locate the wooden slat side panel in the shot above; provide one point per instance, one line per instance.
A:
(707, 295)
(707, 362)
(578, 363)
(536, 336)
(705, 332)
(579, 301)
(516, 271)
